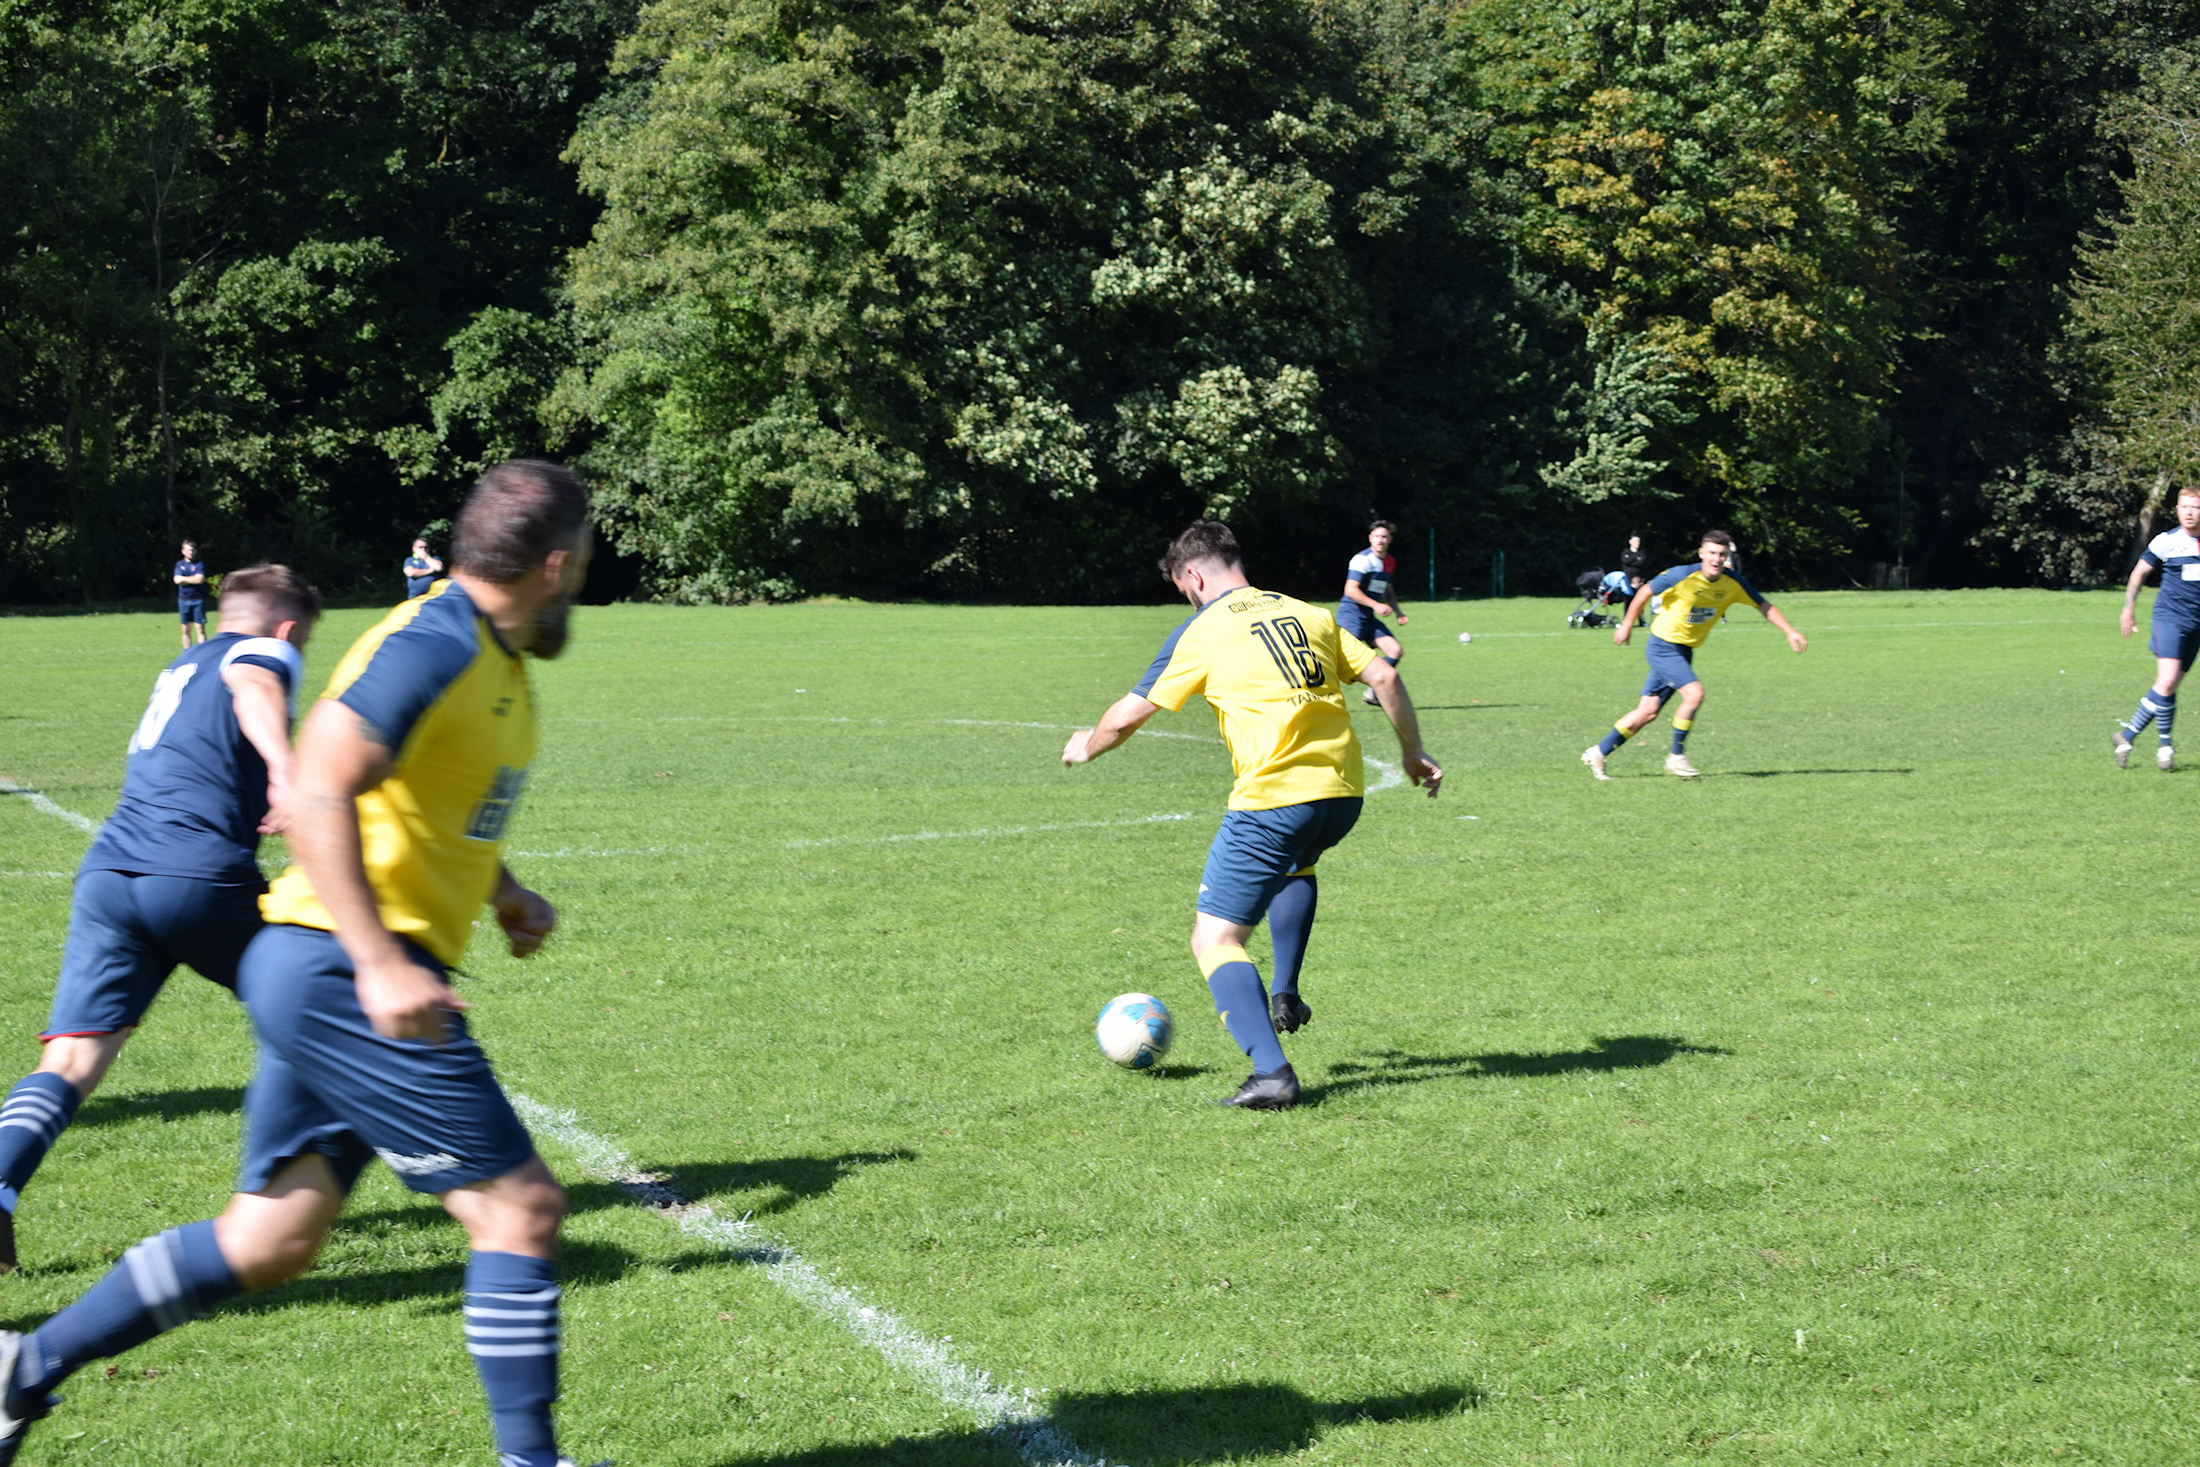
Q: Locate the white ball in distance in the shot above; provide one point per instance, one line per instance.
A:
(1466, 636)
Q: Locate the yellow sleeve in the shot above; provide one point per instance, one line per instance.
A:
(1353, 655)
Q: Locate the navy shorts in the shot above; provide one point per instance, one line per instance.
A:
(127, 933)
(1365, 625)
(190, 611)
(2171, 638)
(1672, 667)
(327, 1083)
(1257, 851)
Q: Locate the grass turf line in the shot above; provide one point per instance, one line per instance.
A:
(1874, 1033)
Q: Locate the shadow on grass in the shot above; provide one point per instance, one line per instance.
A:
(1785, 773)
(1180, 1072)
(161, 1105)
(1157, 1428)
(792, 1179)
(1462, 707)
(1392, 1067)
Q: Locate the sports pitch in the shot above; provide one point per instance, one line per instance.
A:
(1835, 1106)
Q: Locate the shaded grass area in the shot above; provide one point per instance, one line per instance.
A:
(1836, 1106)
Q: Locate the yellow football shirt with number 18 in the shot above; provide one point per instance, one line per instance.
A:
(1274, 670)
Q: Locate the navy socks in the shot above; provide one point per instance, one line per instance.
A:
(1681, 726)
(1243, 1004)
(1290, 924)
(37, 1111)
(2155, 708)
(512, 1333)
(1614, 739)
(163, 1282)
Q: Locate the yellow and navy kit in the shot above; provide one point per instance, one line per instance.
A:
(1274, 669)
(451, 702)
(1693, 602)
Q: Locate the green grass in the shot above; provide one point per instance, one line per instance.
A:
(1836, 1106)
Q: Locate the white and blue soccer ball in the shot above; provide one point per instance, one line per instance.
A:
(1135, 1030)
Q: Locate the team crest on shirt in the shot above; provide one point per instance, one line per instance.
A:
(495, 810)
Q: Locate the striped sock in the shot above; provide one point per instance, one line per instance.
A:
(37, 1111)
(2150, 707)
(163, 1282)
(2165, 713)
(1615, 738)
(1243, 1004)
(1681, 726)
(512, 1333)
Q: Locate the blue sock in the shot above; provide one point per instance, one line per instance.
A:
(1290, 924)
(512, 1333)
(2165, 713)
(1681, 726)
(1393, 661)
(163, 1282)
(1616, 737)
(1243, 1004)
(2150, 707)
(37, 1111)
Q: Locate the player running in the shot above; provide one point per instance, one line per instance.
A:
(173, 877)
(407, 772)
(1695, 598)
(2174, 636)
(1369, 593)
(1274, 670)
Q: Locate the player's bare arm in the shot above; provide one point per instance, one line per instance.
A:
(2128, 618)
(340, 757)
(262, 705)
(1353, 592)
(1626, 627)
(1128, 714)
(1390, 691)
(526, 917)
(1795, 638)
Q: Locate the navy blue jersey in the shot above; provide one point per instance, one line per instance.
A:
(195, 790)
(2177, 555)
(191, 593)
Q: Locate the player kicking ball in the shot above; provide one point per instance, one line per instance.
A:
(406, 773)
(1274, 670)
(1368, 594)
(1696, 596)
(2174, 636)
(173, 877)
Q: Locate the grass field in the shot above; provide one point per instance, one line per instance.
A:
(1836, 1106)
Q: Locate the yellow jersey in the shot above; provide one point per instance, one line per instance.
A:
(1274, 670)
(450, 700)
(1693, 603)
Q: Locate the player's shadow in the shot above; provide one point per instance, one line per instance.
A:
(1154, 1428)
(1393, 1067)
(785, 1181)
(1179, 1072)
(1785, 773)
(104, 1109)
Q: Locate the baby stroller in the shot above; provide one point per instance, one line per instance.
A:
(1604, 598)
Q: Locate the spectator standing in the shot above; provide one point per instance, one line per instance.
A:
(1633, 561)
(421, 569)
(190, 579)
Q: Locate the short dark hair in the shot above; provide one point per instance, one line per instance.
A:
(1717, 537)
(514, 516)
(273, 590)
(1201, 540)
(1382, 525)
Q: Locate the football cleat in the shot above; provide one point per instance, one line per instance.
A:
(2123, 748)
(1370, 699)
(1678, 765)
(2164, 759)
(1276, 1090)
(14, 1428)
(1593, 756)
(1287, 1011)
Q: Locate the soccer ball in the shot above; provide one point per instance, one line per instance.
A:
(1466, 636)
(1134, 1030)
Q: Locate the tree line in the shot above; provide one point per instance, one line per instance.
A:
(984, 298)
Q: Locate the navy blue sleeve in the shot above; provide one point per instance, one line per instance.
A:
(408, 672)
(1161, 659)
(1746, 586)
(275, 665)
(1669, 579)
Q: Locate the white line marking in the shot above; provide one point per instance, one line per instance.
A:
(879, 840)
(563, 852)
(1393, 776)
(38, 801)
(62, 875)
(1144, 733)
(1009, 1417)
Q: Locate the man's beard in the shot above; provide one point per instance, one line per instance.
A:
(553, 627)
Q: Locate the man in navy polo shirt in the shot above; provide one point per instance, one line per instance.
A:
(190, 578)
